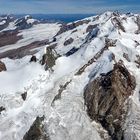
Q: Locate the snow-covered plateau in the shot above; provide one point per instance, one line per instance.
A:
(75, 81)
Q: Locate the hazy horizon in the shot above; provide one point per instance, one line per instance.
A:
(67, 6)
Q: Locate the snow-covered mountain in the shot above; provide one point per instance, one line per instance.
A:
(10, 22)
(75, 81)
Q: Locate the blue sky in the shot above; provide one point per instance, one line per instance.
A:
(67, 6)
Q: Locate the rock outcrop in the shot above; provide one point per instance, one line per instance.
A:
(36, 131)
(2, 109)
(126, 56)
(23, 23)
(24, 96)
(18, 53)
(9, 37)
(106, 99)
(117, 23)
(33, 59)
(137, 61)
(2, 66)
(67, 27)
(90, 28)
(68, 42)
(72, 51)
(49, 58)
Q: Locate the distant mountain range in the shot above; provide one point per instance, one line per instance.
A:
(57, 17)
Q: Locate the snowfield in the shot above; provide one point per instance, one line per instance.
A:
(66, 117)
(38, 32)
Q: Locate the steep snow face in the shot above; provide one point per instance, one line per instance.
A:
(85, 50)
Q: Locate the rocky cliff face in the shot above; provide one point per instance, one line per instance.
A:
(25, 22)
(2, 66)
(36, 131)
(106, 99)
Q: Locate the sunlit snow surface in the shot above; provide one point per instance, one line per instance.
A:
(66, 118)
(38, 32)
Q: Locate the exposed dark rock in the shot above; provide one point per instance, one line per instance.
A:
(117, 23)
(106, 96)
(2, 66)
(24, 50)
(23, 24)
(61, 89)
(4, 25)
(136, 43)
(24, 96)
(43, 60)
(138, 24)
(64, 28)
(72, 51)
(2, 109)
(92, 34)
(49, 58)
(49, 51)
(137, 61)
(7, 19)
(110, 42)
(74, 31)
(98, 54)
(68, 42)
(125, 55)
(90, 28)
(9, 37)
(54, 39)
(116, 13)
(36, 131)
(33, 59)
(81, 22)
(67, 27)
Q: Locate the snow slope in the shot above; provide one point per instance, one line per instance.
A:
(66, 117)
(38, 32)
